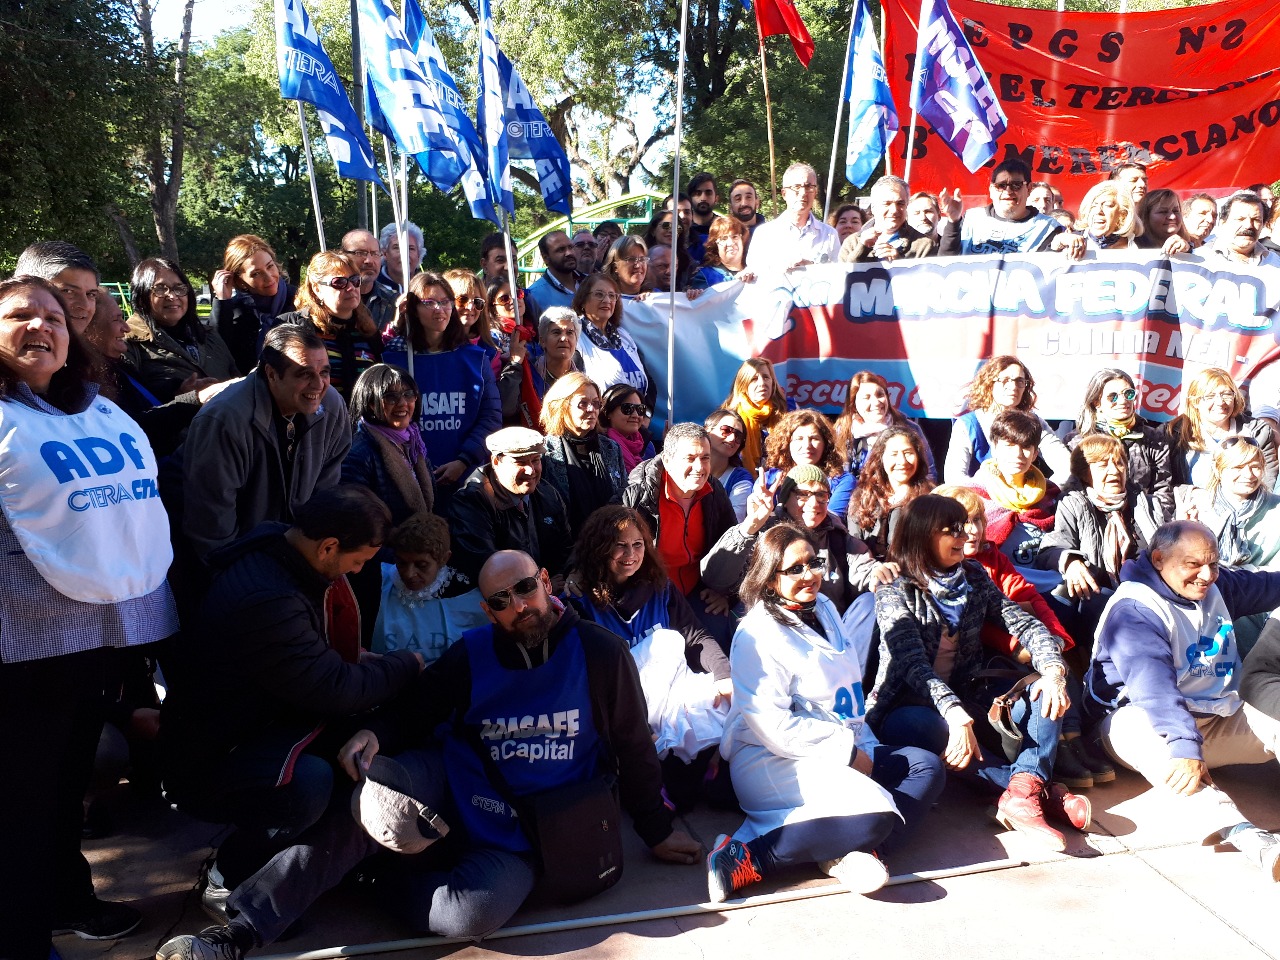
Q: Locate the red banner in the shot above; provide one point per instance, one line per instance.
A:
(1194, 93)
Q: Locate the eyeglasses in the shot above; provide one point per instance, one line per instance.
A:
(816, 565)
(431, 304)
(521, 588)
(1012, 186)
(804, 496)
(584, 403)
(1127, 395)
(394, 397)
(1018, 382)
(464, 302)
(178, 290)
(1231, 441)
(362, 253)
(1218, 398)
(633, 409)
(635, 261)
(341, 283)
(604, 296)
(585, 244)
(802, 188)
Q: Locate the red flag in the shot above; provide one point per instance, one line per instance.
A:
(781, 16)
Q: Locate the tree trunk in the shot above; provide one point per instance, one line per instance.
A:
(127, 240)
(164, 154)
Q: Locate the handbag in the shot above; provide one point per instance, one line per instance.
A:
(1000, 713)
(575, 830)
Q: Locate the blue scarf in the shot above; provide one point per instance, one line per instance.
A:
(951, 590)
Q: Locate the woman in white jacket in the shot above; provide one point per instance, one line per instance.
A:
(815, 784)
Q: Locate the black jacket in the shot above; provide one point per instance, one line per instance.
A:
(1150, 466)
(618, 710)
(258, 674)
(644, 487)
(242, 327)
(487, 519)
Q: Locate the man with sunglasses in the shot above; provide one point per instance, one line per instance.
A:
(556, 287)
(1007, 224)
(587, 248)
(503, 505)
(1165, 682)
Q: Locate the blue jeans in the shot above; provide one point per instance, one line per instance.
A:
(924, 727)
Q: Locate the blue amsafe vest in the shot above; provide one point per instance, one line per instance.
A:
(648, 618)
(536, 725)
(452, 384)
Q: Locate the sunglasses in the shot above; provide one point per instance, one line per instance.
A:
(585, 244)
(727, 431)
(504, 299)
(1231, 441)
(430, 304)
(960, 533)
(1012, 185)
(1127, 395)
(464, 302)
(633, 409)
(521, 588)
(816, 565)
(341, 283)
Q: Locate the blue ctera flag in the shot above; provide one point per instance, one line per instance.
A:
(951, 91)
(408, 103)
(530, 138)
(307, 74)
(491, 117)
(873, 121)
(463, 164)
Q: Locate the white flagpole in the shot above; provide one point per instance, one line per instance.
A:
(675, 192)
(835, 137)
(404, 251)
(915, 93)
(311, 175)
(888, 153)
(511, 275)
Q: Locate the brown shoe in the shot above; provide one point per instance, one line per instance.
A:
(1063, 806)
(1020, 809)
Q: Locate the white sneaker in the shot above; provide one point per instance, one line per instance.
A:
(1262, 848)
(857, 872)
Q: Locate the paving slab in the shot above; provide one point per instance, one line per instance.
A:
(1136, 886)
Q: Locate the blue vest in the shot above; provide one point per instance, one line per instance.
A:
(537, 726)
(650, 617)
(452, 384)
(977, 438)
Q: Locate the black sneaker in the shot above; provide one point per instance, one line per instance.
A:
(100, 920)
(1069, 769)
(729, 868)
(214, 943)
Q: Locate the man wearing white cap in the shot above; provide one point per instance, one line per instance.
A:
(504, 506)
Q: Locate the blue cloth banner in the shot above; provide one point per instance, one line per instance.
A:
(464, 164)
(490, 116)
(409, 103)
(529, 137)
(307, 74)
(873, 121)
(951, 91)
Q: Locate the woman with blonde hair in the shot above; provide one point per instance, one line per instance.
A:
(583, 465)
(757, 397)
(329, 302)
(1108, 218)
(473, 309)
(1002, 383)
(1213, 410)
(249, 292)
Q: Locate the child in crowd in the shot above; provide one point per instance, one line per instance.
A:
(425, 602)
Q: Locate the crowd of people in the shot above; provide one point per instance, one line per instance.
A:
(395, 571)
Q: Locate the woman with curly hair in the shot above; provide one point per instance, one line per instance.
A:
(892, 477)
(757, 397)
(726, 252)
(805, 437)
(1002, 383)
(624, 586)
(329, 302)
(868, 409)
(1213, 409)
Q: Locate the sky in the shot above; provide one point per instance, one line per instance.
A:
(209, 18)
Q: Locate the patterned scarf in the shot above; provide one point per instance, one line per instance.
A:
(951, 591)
(1121, 429)
(1233, 543)
(1116, 539)
(606, 339)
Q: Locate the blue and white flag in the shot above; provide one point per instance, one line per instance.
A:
(951, 91)
(409, 104)
(307, 74)
(490, 116)
(464, 163)
(530, 138)
(873, 122)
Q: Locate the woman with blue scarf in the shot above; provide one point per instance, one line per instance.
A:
(930, 692)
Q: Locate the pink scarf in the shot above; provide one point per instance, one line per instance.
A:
(632, 448)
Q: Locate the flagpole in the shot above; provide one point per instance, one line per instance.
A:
(404, 253)
(311, 175)
(675, 192)
(888, 153)
(915, 95)
(835, 137)
(768, 112)
(511, 274)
